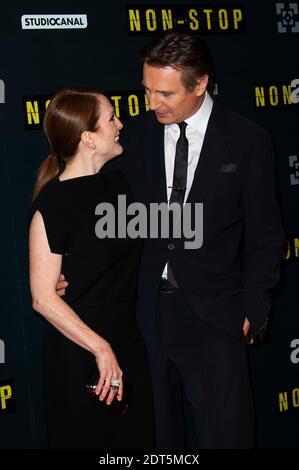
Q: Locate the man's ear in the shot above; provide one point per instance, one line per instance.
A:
(202, 85)
(87, 139)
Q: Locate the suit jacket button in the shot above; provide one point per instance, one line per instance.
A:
(171, 246)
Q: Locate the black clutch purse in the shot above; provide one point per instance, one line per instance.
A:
(119, 407)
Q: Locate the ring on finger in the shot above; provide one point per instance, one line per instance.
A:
(114, 385)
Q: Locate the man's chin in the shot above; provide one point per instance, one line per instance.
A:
(163, 118)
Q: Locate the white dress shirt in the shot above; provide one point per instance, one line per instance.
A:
(195, 133)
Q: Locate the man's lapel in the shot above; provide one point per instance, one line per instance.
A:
(154, 162)
(213, 151)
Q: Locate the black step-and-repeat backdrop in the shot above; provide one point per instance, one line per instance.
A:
(51, 44)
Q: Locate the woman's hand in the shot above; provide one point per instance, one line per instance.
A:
(61, 285)
(109, 370)
(246, 326)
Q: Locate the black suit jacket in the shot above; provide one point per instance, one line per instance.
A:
(230, 276)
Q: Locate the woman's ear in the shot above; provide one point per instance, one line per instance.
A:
(87, 139)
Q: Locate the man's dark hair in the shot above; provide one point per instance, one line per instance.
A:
(181, 51)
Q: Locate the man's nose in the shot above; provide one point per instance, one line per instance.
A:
(153, 102)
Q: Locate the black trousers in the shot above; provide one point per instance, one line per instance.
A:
(209, 368)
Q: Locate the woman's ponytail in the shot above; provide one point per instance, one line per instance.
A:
(46, 172)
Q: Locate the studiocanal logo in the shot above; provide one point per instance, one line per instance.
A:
(145, 20)
(54, 21)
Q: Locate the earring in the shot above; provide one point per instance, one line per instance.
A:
(94, 147)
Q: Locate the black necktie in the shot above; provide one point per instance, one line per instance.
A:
(180, 167)
(179, 183)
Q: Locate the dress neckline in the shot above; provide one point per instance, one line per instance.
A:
(76, 177)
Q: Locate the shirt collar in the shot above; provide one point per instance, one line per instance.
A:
(199, 120)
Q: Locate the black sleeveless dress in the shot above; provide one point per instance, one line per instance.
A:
(102, 275)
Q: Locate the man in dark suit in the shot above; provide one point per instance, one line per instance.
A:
(196, 305)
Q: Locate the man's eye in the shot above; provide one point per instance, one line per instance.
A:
(112, 117)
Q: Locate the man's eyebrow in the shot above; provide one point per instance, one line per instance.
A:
(158, 91)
